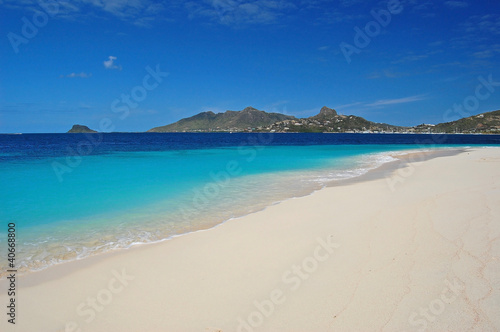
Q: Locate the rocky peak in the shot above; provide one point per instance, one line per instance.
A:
(325, 111)
(250, 109)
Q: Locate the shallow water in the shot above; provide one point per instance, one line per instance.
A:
(69, 202)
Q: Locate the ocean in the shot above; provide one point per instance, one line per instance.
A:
(75, 195)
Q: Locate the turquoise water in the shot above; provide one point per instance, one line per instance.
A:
(117, 199)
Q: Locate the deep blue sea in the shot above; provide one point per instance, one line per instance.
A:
(75, 195)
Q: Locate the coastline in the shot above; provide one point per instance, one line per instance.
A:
(375, 165)
(385, 261)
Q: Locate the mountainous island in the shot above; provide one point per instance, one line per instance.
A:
(326, 121)
(228, 121)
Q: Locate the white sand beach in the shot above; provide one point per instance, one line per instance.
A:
(417, 250)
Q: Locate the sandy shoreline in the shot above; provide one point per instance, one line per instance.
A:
(416, 250)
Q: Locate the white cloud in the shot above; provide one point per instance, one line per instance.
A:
(239, 12)
(487, 51)
(361, 107)
(385, 102)
(349, 3)
(77, 75)
(478, 37)
(456, 4)
(436, 43)
(144, 13)
(110, 63)
(138, 12)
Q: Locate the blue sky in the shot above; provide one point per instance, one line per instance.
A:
(131, 65)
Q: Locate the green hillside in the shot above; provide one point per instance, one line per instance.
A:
(228, 121)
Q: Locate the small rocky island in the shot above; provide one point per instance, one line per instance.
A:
(79, 129)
